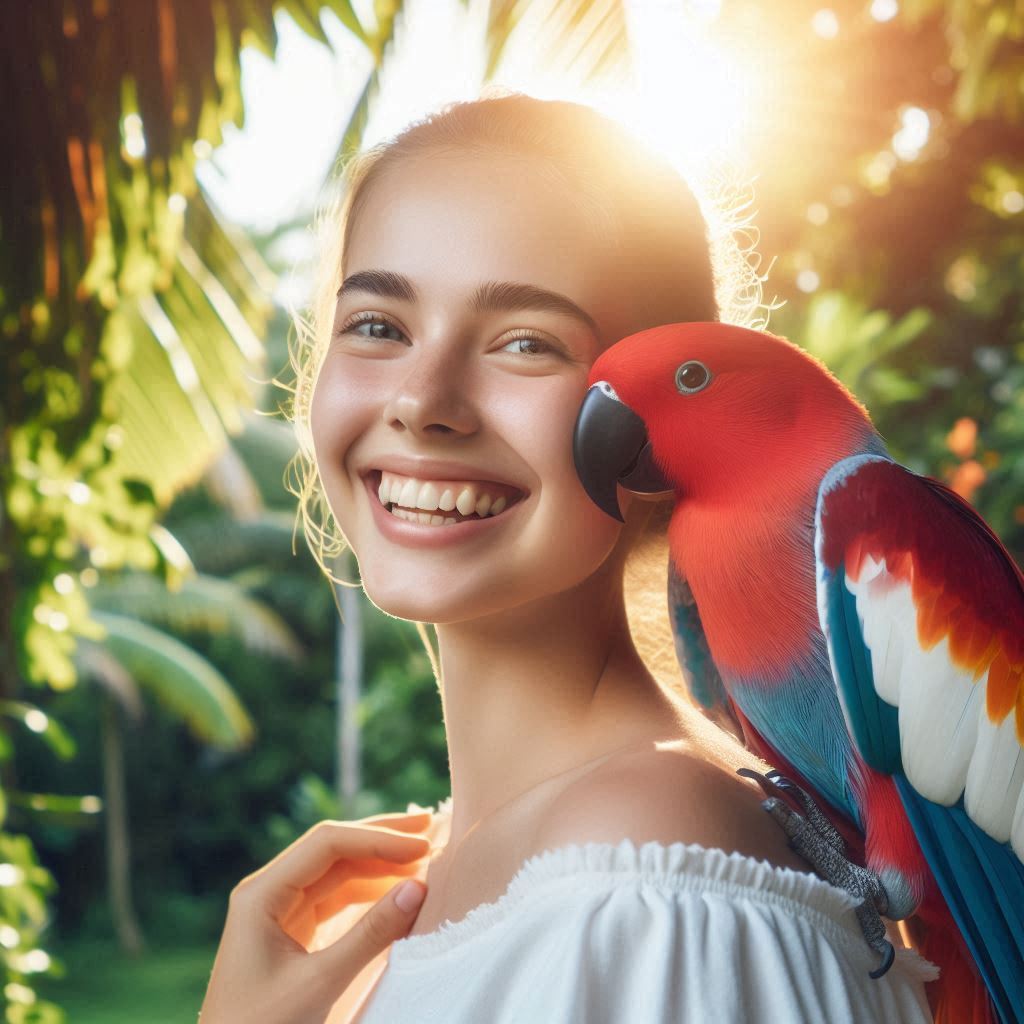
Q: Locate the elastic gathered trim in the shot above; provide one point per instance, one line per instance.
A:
(674, 868)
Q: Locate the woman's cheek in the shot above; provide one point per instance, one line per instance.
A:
(339, 411)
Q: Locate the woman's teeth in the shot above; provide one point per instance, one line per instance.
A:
(420, 501)
(424, 518)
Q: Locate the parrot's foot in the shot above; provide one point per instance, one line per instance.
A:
(817, 841)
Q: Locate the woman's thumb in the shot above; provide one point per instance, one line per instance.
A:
(388, 919)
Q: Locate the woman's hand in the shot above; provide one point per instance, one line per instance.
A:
(273, 966)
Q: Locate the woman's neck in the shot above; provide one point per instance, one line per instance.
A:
(538, 690)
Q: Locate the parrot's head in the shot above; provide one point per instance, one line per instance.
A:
(709, 410)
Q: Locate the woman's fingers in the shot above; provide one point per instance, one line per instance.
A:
(344, 884)
(262, 975)
(264, 971)
(387, 920)
(400, 820)
(277, 885)
(340, 877)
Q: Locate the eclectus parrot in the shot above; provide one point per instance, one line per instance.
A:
(862, 625)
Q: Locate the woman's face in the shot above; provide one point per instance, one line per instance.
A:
(418, 372)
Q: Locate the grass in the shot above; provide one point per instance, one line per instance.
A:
(103, 986)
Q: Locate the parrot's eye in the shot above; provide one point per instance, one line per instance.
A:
(692, 376)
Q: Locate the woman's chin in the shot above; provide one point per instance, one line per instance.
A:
(426, 603)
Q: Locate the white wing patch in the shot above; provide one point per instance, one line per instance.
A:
(947, 741)
(995, 783)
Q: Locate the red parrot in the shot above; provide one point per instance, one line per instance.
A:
(861, 623)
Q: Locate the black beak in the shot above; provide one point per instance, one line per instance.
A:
(609, 447)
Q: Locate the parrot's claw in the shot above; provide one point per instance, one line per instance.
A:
(820, 844)
(888, 959)
(821, 824)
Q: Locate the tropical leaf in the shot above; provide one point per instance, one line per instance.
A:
(267, 445)
(45, 726)
(229, 484)
(855, 342)
(180, 679)
(202, 604)
(97, 663)
(592, 34)
(131, 322)
(219, 545)
(57, 808)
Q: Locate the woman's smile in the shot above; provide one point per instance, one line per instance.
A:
(419, 528)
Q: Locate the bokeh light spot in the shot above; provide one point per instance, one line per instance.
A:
(915, 127)
(884, 10)
(825, 23)
(808, 281)
(817, 213)
(1013, 201)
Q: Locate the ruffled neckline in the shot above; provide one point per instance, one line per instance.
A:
(677, 867)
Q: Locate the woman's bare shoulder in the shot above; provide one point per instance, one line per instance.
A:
(667, 793)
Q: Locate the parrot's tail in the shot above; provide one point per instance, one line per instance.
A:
(958, 995)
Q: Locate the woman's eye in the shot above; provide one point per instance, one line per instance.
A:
(374, 321)
(534, 345)
(379, 326)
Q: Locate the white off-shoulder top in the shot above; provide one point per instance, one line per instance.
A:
(604, 933)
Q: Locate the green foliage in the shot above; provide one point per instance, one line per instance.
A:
(111, 988)
(24, 888)
(405, 754)
(921, 255)
(854, 343)
(39, 723)
(984, 49)
(130, 318)
(200, 603)
(185, 683)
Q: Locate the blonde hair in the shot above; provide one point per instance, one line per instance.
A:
(674, 254)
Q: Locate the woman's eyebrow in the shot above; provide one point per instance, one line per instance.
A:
(490, 296)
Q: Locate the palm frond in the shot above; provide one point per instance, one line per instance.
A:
(219, 545)
(267, 444)
(93, 661)
(594, 34)
(182, 681)
(202, 604)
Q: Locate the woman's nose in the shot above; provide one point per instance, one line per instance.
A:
(433, 396)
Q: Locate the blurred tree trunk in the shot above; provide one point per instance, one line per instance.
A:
(119, 878)
(350, 672)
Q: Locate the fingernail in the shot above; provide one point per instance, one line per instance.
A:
(409, 896)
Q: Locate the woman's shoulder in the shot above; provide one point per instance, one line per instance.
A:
(666, 793)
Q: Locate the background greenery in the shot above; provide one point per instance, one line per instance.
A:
(167, 662)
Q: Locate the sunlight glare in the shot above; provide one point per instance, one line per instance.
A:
(693, 99)
(688, 92)
(438, 57)
(688, 95)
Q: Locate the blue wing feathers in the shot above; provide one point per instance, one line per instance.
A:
(983, 884)
(875, 723)
(980, 878)
(692, 651)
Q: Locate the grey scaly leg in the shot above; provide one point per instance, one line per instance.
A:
(817, 841)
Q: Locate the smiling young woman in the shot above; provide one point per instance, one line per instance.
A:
(598, 859)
